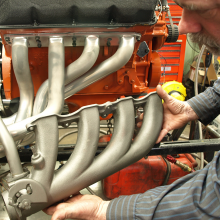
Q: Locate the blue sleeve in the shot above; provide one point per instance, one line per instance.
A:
(207, 104)
(193, 197)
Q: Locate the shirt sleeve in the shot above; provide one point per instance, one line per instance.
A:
(193, 197)
(207, 104)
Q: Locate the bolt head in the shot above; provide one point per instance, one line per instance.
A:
(18, 195)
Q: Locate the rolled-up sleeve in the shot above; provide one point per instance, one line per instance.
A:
(207, 104)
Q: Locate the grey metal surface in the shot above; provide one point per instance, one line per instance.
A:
(10, 150)
(56, 76)
(112, 64)
(78, 38)
(118, 60)
(80, 172)
(56, 87)
(10, 120)
(73, 71)
(23, 77)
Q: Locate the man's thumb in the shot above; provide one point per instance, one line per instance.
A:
(163, 95)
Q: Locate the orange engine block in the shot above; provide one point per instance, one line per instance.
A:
(134, 78)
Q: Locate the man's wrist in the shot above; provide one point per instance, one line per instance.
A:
(190, 113)
(101, 214)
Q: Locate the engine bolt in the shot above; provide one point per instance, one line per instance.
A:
(29, 190)
(120, 81)
(132, 81)
(31, 128)
(106, 87)
(18, 195)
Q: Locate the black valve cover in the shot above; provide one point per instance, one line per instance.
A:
(76, 12)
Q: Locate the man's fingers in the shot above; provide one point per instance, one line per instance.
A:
(161, 135)
(67, 212)
(142, 116)
(50, 210)
(139, 124)
(163, 95)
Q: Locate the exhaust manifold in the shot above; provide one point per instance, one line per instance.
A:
(27, 193)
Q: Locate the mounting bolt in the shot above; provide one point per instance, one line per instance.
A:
(138, 38)
(31, 128)
(112, 22)
(120, 81)
(7, 39)
(74, 22)
(109, 42)
(18, 195)
(67, 124)
(25, 204)
(106, 87)
(74, 41)
(132, 81)
(29, 190)
(126, 72)
(37, 38)
(20, 206)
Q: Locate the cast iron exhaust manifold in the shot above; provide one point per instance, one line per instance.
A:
(45, 186)
(28, 193)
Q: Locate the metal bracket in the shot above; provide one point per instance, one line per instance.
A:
(35, 193)
(71, 39)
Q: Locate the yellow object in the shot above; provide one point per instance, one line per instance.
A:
(175, 89)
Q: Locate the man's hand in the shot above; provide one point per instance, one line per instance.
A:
(176, 113)
(79, 207)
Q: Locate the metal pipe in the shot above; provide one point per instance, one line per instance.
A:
(214, 132)
(10, 150)
(56, 86)
(117, 147)
(73, 71)
(119, 152)
(114, 63)
(118, 60)
(23, 77)
(10, 120)
(45, 153)
(88, 135)
(56, 73)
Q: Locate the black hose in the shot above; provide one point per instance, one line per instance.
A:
(168, 172)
